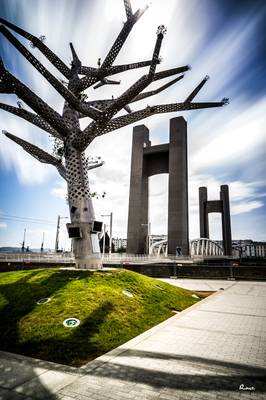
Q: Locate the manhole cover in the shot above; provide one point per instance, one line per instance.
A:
(127, 293)
(71, 322)
(44, 300)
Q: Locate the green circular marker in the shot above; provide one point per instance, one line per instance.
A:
(71, 322)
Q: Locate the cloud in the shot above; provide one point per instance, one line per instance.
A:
(221, 141)
(245, 207)
(60, 190)
(3, 225)
(236, 140)
(28, 170)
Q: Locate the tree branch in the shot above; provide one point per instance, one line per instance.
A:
(4, 88)
(120, 40)
(105, 81)
(94, 74)
(53, 58)
(38, 153)
(36, 103)
(33, 118)
(65, 93)
(95, 130)
(93, 166)
(144, 95)
(117, 69)
(102, 104)
(138, 86)
(128, 9)
(119, 122)
(170, 72)
(196, 90)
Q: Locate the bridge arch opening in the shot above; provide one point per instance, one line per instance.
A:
(158, 204)
(215, 226)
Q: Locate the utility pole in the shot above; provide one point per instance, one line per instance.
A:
(57, 234)
(111, 229)
(148, 237)
(23, 243)
(111, 233)
(42, 242)
(104, 230)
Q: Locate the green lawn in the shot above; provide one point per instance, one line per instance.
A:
(108, 317)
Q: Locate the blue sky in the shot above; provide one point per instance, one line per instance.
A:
(221, 38)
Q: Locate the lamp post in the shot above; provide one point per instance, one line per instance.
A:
(23, 243)
(111, 230)
(104, 230)
(57, 232)
(42, 245)
(148, 237)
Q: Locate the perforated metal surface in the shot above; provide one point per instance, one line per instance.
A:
(33, 118)
(38, 153)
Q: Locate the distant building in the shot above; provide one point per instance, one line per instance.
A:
(119, 243)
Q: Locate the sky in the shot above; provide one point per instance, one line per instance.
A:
(224, 39)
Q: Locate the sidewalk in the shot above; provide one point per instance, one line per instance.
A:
(213, 350)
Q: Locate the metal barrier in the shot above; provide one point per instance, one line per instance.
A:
(68, 258)
(37, 257)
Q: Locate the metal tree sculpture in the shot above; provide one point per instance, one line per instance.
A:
(66, 127)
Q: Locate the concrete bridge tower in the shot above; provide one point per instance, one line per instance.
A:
(150, 160)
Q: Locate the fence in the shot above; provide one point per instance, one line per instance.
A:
(66, 258)
(120, 258)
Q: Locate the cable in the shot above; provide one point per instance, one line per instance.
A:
(26, 221)
(26, 218)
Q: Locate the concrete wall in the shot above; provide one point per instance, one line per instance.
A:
(200, 272)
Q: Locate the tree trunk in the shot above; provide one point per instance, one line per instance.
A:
(86, 248)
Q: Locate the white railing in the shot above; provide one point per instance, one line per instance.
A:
(37, 257)
(114, 258)
(68, 258)
(141, 258)
(205, 247)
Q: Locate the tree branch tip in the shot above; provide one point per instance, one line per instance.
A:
(161, 30)
(225, 101)
(207, 77)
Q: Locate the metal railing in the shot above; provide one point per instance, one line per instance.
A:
(69, 258)
(120, 258)
(66, 258)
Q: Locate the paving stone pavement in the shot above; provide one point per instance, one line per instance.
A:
(213, 350)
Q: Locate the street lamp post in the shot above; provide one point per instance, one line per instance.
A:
(148, 237)
(57, 232)
(111, 230)
(24, 239)
(42, 245)
(104, 230)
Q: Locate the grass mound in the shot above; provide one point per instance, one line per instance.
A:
(108, 317)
